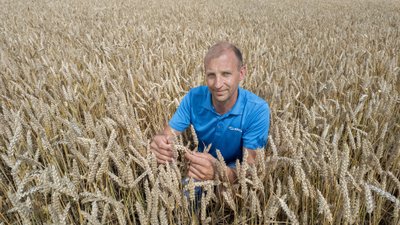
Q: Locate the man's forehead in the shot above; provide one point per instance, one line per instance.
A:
(217, 52)
(223, 53)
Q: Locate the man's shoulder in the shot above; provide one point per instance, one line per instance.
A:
(253, 99)
(256, 110)
(202, 90)
(198, 93)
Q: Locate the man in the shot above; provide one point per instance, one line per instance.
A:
(224, 115)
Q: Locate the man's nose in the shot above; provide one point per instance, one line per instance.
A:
(218, 82)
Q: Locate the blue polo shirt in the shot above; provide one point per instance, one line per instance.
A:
(245, 125)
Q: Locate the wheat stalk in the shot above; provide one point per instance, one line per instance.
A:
(142, 215)
(229, 200)
(288, 212)
(323, 207)
(79, 109)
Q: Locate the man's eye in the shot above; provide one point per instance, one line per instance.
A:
(210, 75)
(226, 74)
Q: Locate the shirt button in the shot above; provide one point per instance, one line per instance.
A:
(219, 125)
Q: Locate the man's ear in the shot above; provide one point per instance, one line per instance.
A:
(243, 71)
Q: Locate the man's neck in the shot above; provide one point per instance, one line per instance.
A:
(224, 107)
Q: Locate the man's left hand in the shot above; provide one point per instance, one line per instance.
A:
(201, 165)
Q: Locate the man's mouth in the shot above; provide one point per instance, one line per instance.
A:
(220, 92)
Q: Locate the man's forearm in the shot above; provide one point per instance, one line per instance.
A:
(170, 132)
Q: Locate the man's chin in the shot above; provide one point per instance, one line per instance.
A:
(220, 99)
(220, 95)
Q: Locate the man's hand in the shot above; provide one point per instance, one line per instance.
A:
(161, 146)
(201, 165)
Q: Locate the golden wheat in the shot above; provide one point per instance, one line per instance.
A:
(84, 86)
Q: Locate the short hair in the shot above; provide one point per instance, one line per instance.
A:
(221, 47)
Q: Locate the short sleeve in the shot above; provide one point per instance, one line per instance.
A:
(256, 134)
(181, 119)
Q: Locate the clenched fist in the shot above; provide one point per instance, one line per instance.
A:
(201, 166)
(161, 146)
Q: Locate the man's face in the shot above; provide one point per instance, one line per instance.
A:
(223, 76)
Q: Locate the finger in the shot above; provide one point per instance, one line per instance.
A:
(194, 173)
(161, 141)
(165, 152)
(162, 157)
(162, 153)
(201, 155)
(201, 173)
(188, 156)
(165, 145)
(161, 161)
(195, 160)
(153, 146)
(205, 173)
(170, 139)
(201, 161)
(191, 156)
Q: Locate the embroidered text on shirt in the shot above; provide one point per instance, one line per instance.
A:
(235, 129)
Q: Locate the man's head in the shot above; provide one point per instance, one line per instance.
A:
(220, 48)
(224, 70)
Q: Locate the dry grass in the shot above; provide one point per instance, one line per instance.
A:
(84, 85)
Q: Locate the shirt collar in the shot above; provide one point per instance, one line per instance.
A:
(207, 103)
(237, 108)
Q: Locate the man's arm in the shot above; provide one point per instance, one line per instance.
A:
(170, 132)
(251, 158)
(161, 144)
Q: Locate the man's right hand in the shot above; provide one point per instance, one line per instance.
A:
(161, 146)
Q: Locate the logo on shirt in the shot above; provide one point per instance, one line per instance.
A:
(235, 129)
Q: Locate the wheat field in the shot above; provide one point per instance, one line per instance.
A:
(85, 85)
